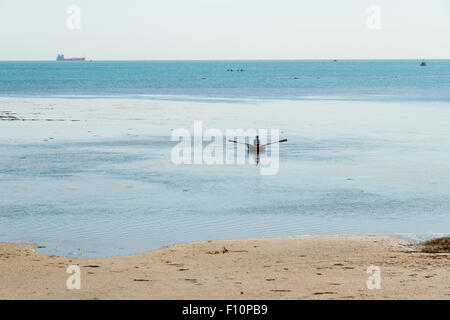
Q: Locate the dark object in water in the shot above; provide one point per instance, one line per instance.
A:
(260, 148)
(423, 64)
(61, 57)
(439, 245)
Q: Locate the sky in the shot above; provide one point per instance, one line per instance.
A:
(225, 29)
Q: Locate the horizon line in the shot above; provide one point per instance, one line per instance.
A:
(258, 59)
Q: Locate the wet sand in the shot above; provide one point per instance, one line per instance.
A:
(332, 267)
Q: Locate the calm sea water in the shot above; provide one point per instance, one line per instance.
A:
(86, 169)
(384, 79)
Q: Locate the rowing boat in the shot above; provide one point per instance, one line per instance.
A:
(255, 148)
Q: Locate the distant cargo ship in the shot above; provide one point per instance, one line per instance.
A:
(60, 57)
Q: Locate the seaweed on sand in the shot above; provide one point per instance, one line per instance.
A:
(439, 245)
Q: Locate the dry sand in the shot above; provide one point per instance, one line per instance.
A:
(289, 268)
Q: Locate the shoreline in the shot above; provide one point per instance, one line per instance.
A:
(411, 240)
(310, 267)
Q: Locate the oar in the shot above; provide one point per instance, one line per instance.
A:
(234, 141)
(284, 140)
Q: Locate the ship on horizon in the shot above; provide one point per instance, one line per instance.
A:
(61, 57)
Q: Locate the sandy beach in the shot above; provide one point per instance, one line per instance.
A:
(333, 267)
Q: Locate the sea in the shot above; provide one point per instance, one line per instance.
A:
(86, 152)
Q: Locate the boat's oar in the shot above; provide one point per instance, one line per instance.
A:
(284, 140)
(234, 141)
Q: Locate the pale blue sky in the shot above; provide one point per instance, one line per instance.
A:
(224, 29)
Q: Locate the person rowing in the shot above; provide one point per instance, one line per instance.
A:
(257, 147)
(256, 143)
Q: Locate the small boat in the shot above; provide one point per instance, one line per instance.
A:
(257, 149)
(423, 64)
